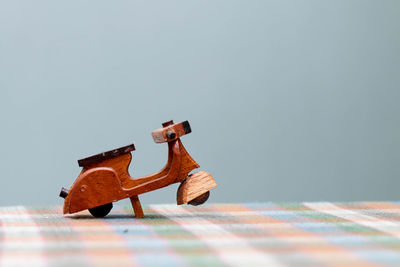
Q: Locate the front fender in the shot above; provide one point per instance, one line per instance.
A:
(193, 186)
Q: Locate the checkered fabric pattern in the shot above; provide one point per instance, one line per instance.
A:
(258, 234)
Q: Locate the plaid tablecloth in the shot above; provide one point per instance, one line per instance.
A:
(258, 234)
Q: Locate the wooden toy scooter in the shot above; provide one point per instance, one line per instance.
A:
(105, 178)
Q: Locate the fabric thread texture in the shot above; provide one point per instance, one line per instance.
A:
(254, 234)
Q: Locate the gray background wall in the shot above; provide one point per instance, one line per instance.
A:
(288, 100)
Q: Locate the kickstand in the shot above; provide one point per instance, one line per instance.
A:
(137, 207)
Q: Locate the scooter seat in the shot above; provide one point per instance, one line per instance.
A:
(106, 155)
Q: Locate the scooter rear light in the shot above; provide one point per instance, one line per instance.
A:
(64, 192)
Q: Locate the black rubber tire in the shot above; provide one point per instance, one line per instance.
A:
(200, 199)
(101, 211)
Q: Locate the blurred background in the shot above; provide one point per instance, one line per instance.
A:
(288, 100)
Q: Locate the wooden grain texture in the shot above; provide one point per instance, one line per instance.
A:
(137, 207)
(95, 187)
(120, 164)
(195, 185)
(105, 177)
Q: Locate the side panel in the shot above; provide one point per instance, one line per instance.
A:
(95, 187)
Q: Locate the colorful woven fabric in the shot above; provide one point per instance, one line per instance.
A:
(271, 234)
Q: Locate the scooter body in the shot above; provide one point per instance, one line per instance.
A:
(105, 177)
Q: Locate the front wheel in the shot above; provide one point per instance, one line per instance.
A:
(200, 199)
(101, 211)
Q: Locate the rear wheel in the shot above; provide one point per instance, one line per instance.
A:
(101, 211)
(200, 199)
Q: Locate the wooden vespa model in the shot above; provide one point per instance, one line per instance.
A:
(105, 178)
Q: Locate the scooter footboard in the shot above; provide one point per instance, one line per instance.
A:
(194, 186)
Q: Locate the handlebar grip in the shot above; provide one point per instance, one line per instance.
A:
(171, 131)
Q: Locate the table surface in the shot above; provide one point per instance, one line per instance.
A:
(273, 234)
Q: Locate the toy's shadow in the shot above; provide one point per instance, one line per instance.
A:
(147, 217)
(117, 217)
